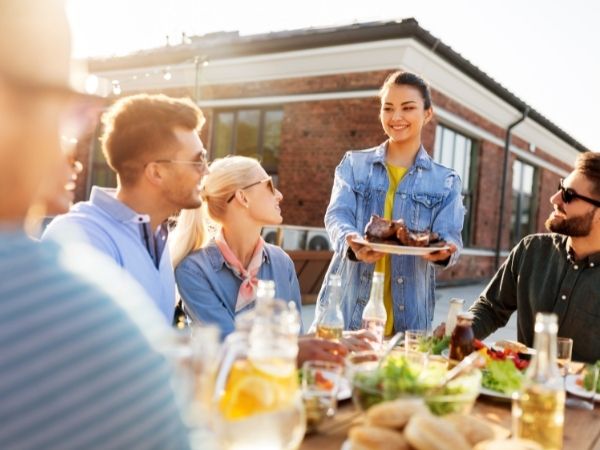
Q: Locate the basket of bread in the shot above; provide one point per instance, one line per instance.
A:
(407, 424)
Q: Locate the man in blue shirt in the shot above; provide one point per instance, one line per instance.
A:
(79, 367)
(152, 143)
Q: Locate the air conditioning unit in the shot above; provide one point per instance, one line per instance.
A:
(292, 239)
(317, 240)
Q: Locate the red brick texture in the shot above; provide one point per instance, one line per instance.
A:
(316, 134)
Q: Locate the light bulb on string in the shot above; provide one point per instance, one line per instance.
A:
(167, 75)
(91, 84)
(116, 87)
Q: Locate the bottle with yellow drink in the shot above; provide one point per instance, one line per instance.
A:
(330, 324)
(258, 400)
(539, 408)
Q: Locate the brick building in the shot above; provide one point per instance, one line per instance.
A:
(299, 99)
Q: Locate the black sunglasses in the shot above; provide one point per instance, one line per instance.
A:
(568, 195)
(267, 180)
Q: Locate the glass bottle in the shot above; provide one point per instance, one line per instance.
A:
(265, 293)
(456, 305)
(331, 322)
(374, 315)
(257, 400)
(461, 341)
(538, 410)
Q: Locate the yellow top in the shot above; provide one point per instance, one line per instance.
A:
(395, 174)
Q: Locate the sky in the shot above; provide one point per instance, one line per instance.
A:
(544, 51)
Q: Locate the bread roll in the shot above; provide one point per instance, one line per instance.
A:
(395, 413)
(369, 437)
(472, 428)
(508, 444)
(427, 432)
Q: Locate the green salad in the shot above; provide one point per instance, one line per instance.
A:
(398, 377)
(587, 380)
(434, 345)
(502, 376)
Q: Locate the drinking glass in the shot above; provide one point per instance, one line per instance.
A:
(413, 340)
(564, 350)
(320, 385)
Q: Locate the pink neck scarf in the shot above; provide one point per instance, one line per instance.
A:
(247, 292)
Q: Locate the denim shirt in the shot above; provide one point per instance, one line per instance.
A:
(209, 288)
(428, 198)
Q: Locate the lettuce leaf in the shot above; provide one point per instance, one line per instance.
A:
(587, 380)
(502, 376)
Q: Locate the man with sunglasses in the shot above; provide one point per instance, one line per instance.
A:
(557, 272)
(79, 366)
(152, 143)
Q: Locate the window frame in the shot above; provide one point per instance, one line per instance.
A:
(97, 164)
(469, 192)
(263, 110)
(515, 228)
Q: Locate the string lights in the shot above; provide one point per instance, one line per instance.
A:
(166, 74)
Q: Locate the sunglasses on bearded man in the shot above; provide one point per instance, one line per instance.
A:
(568, 195)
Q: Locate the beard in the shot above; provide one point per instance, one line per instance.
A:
(579, 226)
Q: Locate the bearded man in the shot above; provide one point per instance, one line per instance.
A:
(557, 272)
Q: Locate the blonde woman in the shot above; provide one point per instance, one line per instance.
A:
(217, 278)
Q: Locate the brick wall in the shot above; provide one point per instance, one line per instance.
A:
(316, 134)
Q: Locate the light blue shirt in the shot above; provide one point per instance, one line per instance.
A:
(209, 288)
(79, 366)
(125, 236)
(428, 198)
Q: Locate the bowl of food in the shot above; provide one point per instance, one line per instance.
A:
(458, 396)
(399, 377)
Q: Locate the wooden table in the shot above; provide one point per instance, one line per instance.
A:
(581, 431)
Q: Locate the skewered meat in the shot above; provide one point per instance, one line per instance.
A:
(380, 229)
(396, 232)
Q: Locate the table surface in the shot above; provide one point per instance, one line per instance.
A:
(581, 431)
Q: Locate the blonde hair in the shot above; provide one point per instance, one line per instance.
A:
(226, 175)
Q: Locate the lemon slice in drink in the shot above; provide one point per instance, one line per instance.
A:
(274, 368)
(250, 395)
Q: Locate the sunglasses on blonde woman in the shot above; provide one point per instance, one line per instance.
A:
(568, 195)
(269, 182)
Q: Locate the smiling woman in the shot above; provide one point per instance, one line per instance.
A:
(395, 180)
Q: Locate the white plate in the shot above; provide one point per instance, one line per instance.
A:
(494, 394)
(346, 445)
(573, 388)
(398, 249)
(345, 390)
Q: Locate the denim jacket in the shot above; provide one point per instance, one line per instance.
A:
(428, 198)
(209, 288)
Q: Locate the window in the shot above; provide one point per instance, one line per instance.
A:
(524, 206)
(249, 132)
(457, 151)
(102, 175)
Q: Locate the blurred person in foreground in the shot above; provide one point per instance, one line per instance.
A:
(57, 193)
(79, 366)
(152, 143)
(555, 272)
